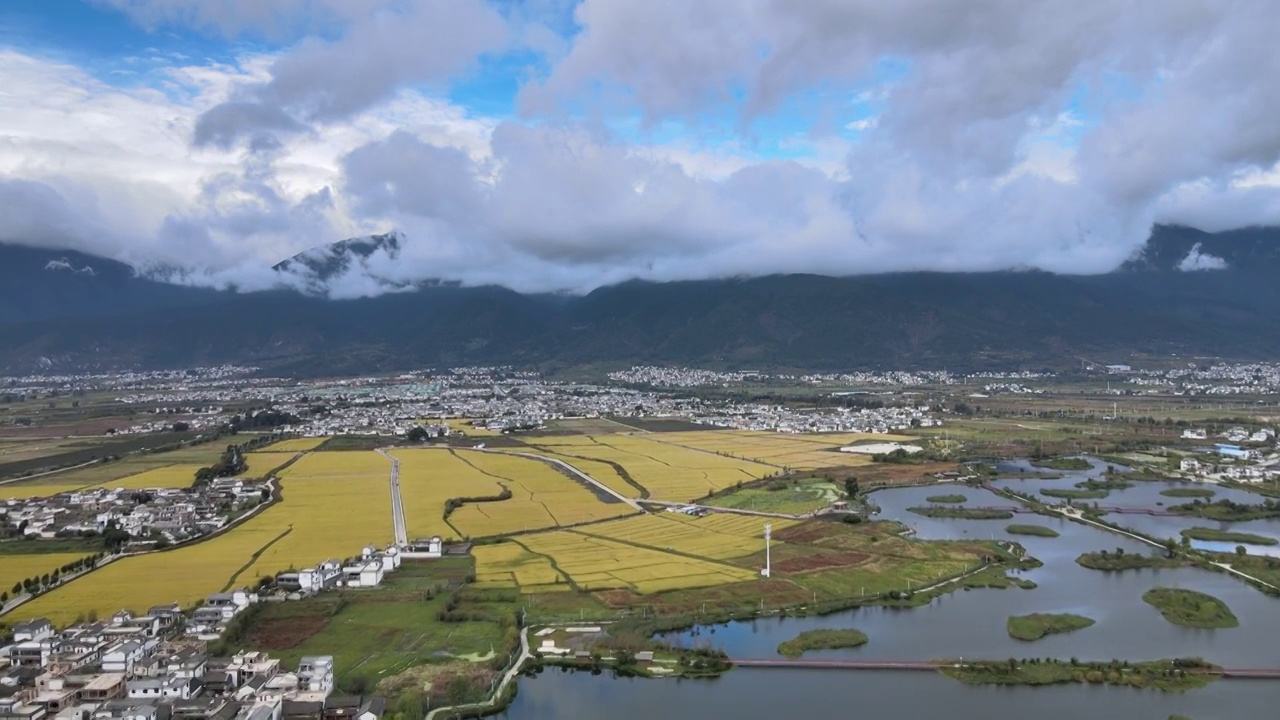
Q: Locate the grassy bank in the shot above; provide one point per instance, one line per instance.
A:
(1037, 530)
(961, 513)
(1189, 608)
(821, 640)
(1172, 675)
(1228, 511)
(1215, 535)
(1187, 492)
(1066, 463)
(1037, 625)
(1068, 494)
(946, 499)
(1121, 560)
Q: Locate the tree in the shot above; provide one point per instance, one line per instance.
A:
(1171, 546)
(1241, 550)
(417, 434)
(851, 487)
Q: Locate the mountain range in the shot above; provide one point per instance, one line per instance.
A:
(1188, 294)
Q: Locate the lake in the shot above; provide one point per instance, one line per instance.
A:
(970, 624)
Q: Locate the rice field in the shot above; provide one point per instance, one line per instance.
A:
(16, 568)
(717, 537)
(668, 471)
(510, 565)
(172, 476)
(332, 507)
(541, 496)
(101, 474)
(263, 464)
(595, 563)
(295, 445)
(791, 451)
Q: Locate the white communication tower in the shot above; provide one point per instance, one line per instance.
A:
(768, 529)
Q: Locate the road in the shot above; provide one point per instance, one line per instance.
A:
(397, 504)
(507, 678)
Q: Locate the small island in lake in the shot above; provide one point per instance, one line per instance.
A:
(1038, 530)
(1227, 511)
(946, 499)
(1191, 492)
(1214, 535)
(1068, 494)
(1189, 608)
(961, 513)
(1066, 463)
(1037, 625)
(1177, 674)
(821, 640)
(1120, 560)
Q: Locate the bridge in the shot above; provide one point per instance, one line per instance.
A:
(924, 666)
(1101, 508)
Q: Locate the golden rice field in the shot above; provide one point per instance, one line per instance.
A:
(668, 471)
(263, 464)
(541, 496)
(717, 537)
(173, 476)
(602, 472)
(510, 565)
(792, 451)
(16, 568)
(331, 508)
(295, 445)
(98, 474)
(595, 563)
(365, 464)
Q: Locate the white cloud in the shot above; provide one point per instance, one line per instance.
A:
(1010, 134)
(1198, 260)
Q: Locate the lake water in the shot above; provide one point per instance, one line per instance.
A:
(969, 624)
(759, 694)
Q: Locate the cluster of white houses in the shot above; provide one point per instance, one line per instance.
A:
(175, 514)
(154, 666)
(136, 668)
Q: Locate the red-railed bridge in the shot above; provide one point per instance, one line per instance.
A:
(924, 665)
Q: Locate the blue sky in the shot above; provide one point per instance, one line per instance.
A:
(562, 144)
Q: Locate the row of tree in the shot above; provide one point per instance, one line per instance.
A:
(38, 583)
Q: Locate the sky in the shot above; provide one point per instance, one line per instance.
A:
(559, 145)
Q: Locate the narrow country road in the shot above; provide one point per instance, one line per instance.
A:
(507, 678)
(397, 504)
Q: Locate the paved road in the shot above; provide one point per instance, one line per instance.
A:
(507, 678)
(397, 504)
(732, 511)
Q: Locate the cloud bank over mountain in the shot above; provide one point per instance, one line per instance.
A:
(552, 145)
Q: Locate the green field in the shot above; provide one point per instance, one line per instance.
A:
(781, 497)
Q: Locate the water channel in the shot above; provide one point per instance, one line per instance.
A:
(972, 624)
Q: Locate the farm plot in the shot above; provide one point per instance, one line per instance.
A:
(716, 537)
(173, 476)
(16, 568)
(264, 464)
(598, 470)
(295, 445)
(325, 513)
(100, 474)
(795, 452)
(595, 563)
(668, 471)
(511, 565)
(542, 497)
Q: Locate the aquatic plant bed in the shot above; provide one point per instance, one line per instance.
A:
(821, 640)
(1189, 608)
(1067, 494)
(1110, 561)
(961, 513)
(953, 499)
(1068, 463)
(1187, 492)
(1037, 530)
(1214, 535)
(1037, 625)
(1171, 675)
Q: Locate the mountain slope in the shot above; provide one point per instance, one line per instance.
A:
(898, 320)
